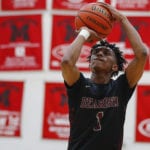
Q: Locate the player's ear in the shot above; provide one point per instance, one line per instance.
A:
(115, 67)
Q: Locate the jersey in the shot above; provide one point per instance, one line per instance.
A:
(97, 113)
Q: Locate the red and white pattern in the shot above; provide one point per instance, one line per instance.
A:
(143, 114)
(56, 122)
(63, 33)
(20, 43)
(70, 4)
(23, 4)
(11, 94)
(130, 5)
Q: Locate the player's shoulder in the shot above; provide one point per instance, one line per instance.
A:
(122, 80)
(121, 76)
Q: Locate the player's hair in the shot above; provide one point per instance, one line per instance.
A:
(119, 55)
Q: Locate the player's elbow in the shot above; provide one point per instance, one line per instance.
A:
(65, 62)
(143, 53)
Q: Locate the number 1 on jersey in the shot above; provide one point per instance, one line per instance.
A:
(99, 116)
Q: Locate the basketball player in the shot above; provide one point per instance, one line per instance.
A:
(97, 105)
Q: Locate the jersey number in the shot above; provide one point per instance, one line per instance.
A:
(99, 116)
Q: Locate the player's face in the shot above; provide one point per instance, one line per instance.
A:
(103, 58)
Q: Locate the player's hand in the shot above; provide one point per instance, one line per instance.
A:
(116, 15)
(93, 35)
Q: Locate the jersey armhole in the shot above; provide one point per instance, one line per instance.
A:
(77, 84)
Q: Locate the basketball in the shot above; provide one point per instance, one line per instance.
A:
(95, 16)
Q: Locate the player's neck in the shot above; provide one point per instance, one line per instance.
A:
(100, 78)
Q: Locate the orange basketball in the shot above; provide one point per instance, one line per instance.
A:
(96, 17)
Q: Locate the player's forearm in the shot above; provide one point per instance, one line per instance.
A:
(135, 40)
(73, 51)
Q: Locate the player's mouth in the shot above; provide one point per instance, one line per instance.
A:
(99, 59)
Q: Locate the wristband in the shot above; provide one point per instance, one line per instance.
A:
(84, 33)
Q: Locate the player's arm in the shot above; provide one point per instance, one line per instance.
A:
(135, 68)
(70, 72)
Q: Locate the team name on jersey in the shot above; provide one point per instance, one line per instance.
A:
(91, 103)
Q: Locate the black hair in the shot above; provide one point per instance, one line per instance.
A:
(119, 55)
